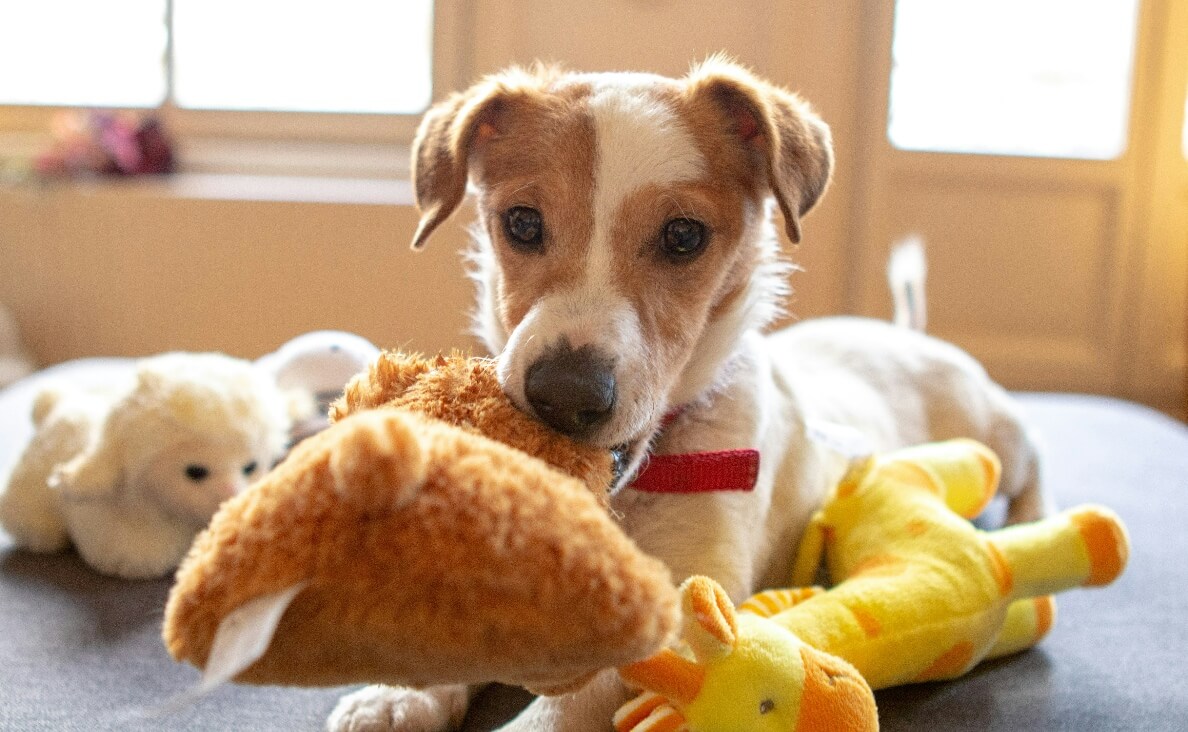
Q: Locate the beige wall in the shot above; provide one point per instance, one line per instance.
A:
(129, 270)
(111, 269)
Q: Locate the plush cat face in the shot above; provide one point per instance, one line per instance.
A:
(193, 430)
(190, 478)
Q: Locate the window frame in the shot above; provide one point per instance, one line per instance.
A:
(230, 141)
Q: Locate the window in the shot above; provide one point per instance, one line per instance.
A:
(226, 68)
(288, 55)
(79, 53)
(1012, 77)
(306, 55)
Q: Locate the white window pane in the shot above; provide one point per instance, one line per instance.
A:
(304, 55)
(1012, 77)
(83, 52)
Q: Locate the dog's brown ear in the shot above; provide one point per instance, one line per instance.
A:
(451, 131)
(794, 147)
(440, 154)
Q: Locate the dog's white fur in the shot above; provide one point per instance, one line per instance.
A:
(738, 387)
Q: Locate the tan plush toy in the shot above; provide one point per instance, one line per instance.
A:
(432, 534)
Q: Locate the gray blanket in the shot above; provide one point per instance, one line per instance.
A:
(82, 652)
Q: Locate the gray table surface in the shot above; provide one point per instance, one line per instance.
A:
(79, 651)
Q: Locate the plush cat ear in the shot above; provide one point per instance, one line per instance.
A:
(93, 473)
(791, 143)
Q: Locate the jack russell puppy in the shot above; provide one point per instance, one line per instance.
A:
(627, 265)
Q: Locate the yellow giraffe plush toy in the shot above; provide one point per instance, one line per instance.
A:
(920, 594)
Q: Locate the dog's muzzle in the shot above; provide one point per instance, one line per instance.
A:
(573, 391)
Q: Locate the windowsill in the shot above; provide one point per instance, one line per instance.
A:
(301, 158)
(246, 170)
(236, 187)
(290, 188)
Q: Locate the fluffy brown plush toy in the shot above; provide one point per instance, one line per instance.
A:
(432, 534)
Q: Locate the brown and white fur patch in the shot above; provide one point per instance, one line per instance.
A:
(608, 162)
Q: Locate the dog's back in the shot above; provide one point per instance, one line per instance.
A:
(900, 387)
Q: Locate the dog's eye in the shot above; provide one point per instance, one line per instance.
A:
(197, 473)
(683, 238)
(524, 228)
(250, 468)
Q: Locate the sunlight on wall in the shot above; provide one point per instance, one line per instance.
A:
(1013, 77)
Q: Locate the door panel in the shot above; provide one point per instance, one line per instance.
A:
(1056, 273)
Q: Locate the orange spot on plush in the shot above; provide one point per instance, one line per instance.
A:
(1106, 543)
(828, 536)
(910, 474)
(879, 564)
(1045, 615)
(1002, 571)
(916, 528)
(870, 624)
(952, 663)
(847, 487)
(708, 603)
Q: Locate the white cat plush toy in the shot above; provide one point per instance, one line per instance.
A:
(130, 472)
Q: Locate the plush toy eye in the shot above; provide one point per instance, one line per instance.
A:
(250, 468)
(683, 239)
(767, 706)
(197, 472)
(524, 228)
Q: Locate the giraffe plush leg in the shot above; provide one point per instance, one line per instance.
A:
(1027, 622)
(964, 472)
(1085, 546)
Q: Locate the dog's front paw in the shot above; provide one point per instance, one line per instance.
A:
(397, 709)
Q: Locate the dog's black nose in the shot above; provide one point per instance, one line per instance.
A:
(571, 391)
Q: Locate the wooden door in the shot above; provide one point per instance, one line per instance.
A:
(1062, 267)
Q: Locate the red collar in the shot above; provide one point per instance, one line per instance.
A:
(698, 472)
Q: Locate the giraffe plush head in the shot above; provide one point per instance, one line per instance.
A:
(743, 672)
(919, 594)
